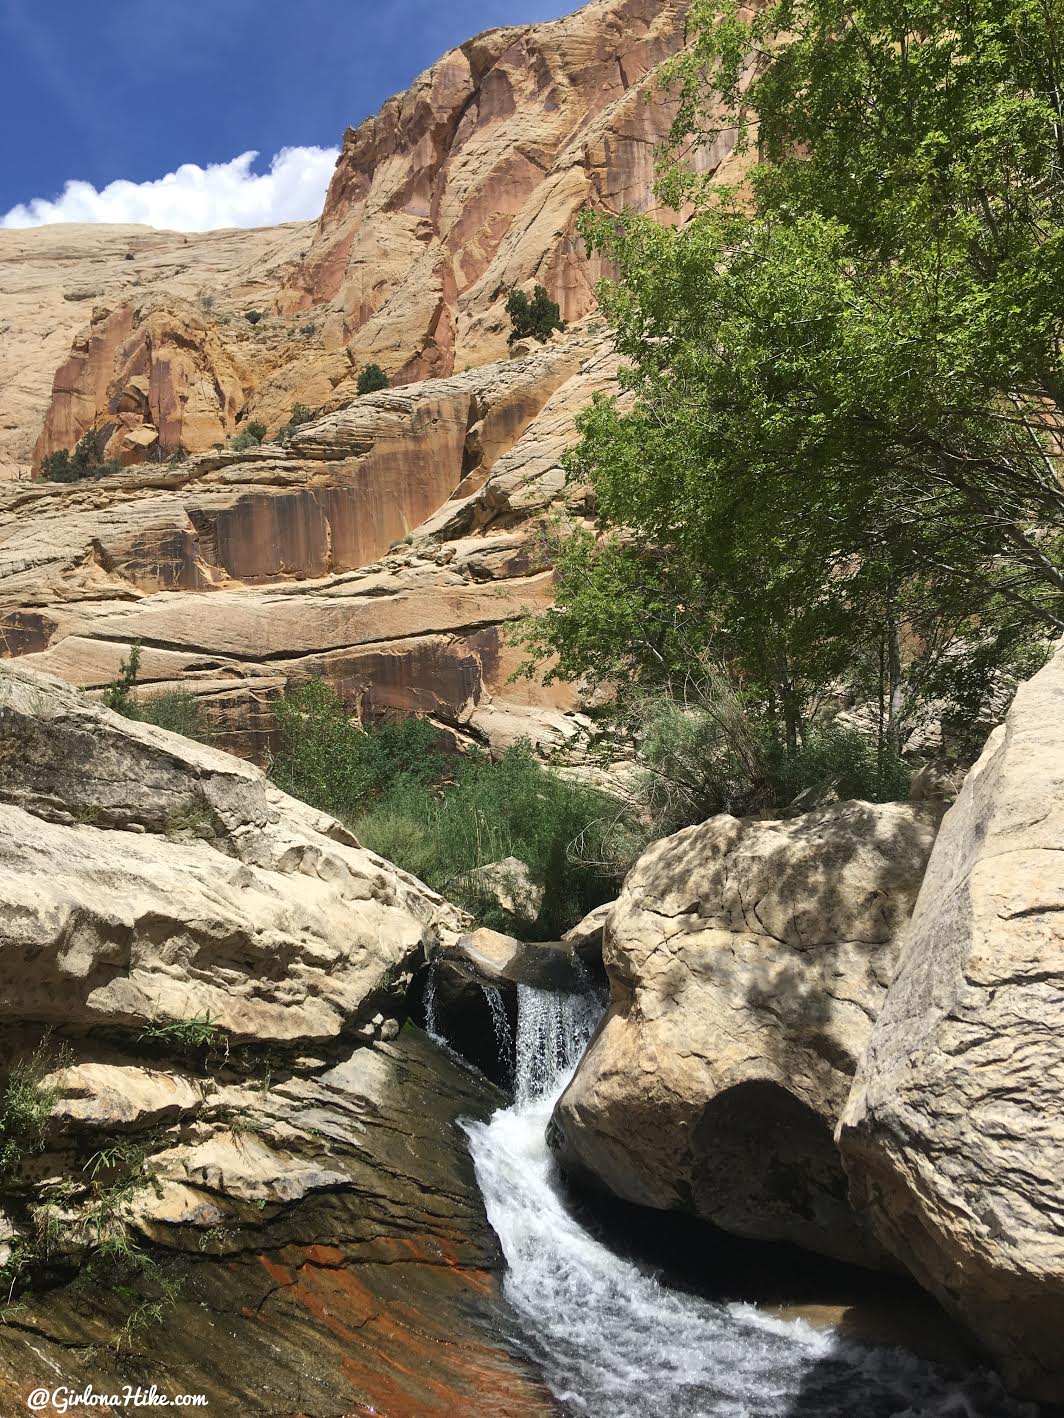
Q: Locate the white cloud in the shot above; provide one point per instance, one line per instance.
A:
(196, 198)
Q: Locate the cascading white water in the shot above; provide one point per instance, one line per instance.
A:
(613, 1341)
(501, 1024)
(431, 1024)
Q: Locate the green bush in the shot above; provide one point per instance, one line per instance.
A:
(371, 379)
(327, 760)
(250, 436)
(707, 752)
(25, 1107)
(84, 462)
(533, 319)
(440, 815)
(174, 709)
(253, 316)
(300, 414)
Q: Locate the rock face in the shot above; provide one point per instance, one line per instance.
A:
(296, 557)
(220, 969)
(53, 279)
(470, 183)
(458, 191)
(953, 1135)
(747, 962)
(146, 878)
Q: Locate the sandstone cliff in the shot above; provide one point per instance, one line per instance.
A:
(385, 548)
(53, 279)
(470, 183)
(462, 188)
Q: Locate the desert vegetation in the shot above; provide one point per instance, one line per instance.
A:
(77, 464)
(371, 379)
(533, 317)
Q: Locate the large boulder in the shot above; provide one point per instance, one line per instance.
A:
(145, 878)
(953, 1134)
(747, 962)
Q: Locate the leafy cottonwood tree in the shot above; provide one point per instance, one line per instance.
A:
(844, 455)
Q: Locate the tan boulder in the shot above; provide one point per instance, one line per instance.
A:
(953, 1135)
(747, 961)
(146, 879)
(509, 884)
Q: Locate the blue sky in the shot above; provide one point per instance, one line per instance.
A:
(95, 91)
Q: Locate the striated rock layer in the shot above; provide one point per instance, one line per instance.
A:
(458, 191)
(953, 1134)
(747, 962)
(385, 547)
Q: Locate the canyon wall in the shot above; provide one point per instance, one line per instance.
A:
(461, 189)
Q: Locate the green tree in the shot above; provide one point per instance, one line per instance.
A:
(371, 379)
(533, 319)
(843, 457)
(301, 414)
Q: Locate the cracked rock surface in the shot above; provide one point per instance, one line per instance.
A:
(747, 961)
(953, 1135)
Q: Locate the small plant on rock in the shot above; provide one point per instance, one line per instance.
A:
(250, 436)
(372, 379)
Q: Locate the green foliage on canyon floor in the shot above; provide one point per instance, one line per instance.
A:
(441, 815)
(842, 457)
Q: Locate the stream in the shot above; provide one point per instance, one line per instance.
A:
(613, 1340)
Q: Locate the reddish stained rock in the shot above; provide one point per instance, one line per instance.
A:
(379, 1297)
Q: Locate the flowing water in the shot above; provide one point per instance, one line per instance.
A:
(615, 1342)
(501, 1024)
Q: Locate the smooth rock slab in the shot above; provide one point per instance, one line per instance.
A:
(954, 1133)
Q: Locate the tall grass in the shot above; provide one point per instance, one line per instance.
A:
(441, 815)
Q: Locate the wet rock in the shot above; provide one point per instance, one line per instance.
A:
(331, 1255)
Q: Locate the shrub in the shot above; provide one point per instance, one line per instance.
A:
(175, 709)
(577, 843)
(300, 414)
(328, 761)
(533, 319)
(250, 436)
(371, 379)
(85, 461)
(253, 316)
(25, 1107)
(705, 751)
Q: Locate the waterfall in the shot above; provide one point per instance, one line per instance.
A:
(552, 1033)
(500, 1022)
(431, 1024)
(613, 1341)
